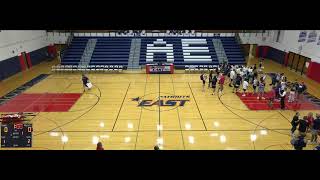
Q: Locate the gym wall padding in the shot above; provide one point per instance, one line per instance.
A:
(313, 71)
(276, 55)
(9, 67)
(39, 55)
(271, 53)
(14, 65)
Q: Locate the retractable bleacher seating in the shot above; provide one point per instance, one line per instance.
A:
(232, 50)
(74, 52)
(181, 51)
(111, 51)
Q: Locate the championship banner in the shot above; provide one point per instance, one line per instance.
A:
(302, 36)
(159, 69)
(312, 37)
(318, 41)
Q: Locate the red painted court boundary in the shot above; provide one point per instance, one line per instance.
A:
(41, 102)
(251, 101)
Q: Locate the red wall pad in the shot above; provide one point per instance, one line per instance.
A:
(22, 63)
(265, 51)
(257, 51)
(29, 60)
(314, 71)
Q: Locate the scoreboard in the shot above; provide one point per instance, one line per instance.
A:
(16, 135)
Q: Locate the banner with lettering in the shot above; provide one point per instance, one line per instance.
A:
(312, 37)
(302, 36)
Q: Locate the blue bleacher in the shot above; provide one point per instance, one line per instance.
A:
(74, 52)
(111, 51)
(177, 51)
(116, 50)
(232, 50)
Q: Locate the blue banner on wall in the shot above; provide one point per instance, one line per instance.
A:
(312, 37)
(318, 41)
(302, 36)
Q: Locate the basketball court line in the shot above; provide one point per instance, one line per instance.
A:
(141, 108)
(74, 118)
(171, 130)
(197, 107)
(195, 88)
(245, 118)
(121, 106)
(184, 147)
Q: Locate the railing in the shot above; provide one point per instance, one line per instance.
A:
(68, 43)
(238, 38)
(113, 34)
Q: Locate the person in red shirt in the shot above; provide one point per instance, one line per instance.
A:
(99, 146)
(221, 83)
(310, 119)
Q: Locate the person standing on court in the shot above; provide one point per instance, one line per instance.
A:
(255, 84)
(221, 83)
(156, 147)
(210, 79)
(261, 87)
(299, 143)
(303, 126)
(315, 129)
(310, 119)
(99, 146)
(85, 81)
(232, 77)
(214, 83)
(282, 98)
(292, 94)
(203, 78)
(245, 85)
(295, 123)
(301, 89)
(237, 83)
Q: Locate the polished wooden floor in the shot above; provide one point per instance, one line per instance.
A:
(108, 114)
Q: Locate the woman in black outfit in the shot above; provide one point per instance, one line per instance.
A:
(295, 123)
(214, 83)
(303, 126)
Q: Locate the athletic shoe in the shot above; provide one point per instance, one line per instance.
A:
(243, 95)
(257, 97)
(263, 98)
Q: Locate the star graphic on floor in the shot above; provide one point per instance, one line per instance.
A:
(136, 99)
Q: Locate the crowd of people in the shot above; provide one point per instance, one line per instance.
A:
(242, 77)
(280, 88)
(306, 125)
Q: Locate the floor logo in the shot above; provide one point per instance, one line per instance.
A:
(162, 102)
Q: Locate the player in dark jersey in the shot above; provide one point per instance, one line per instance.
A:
(85, 81)
(214, 84)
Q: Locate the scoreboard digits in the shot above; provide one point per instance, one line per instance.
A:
(16, 135)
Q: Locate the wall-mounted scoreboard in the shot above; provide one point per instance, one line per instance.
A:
(16, 135)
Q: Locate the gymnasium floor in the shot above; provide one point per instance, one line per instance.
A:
(110, 113)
